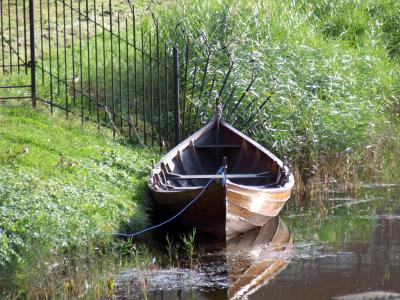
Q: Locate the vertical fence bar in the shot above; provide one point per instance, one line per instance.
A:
(72, 55)
(112, 69)
(212, 85)
(104, 63)
(88, 55)
(185, 90)
(96, 64)
(25, 45)
(176, 95)
(128, 80)
(166, 90)
(201, 89)
(32, 44)
(135, 67)
(2, 34)
(9, 35)
(247, 108)
(242, 96)
(225, 80)
(65, 64)
(41, 36)
(208, 97)
(159, 87)
(57, 49)
(80, 61)
(151, 92)
(50, 58)
(17, 28)
(191, 98)
(229, 98)
(120, 71)
(143, 91)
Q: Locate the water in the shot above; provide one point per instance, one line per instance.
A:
(360, 265)
(233, 271)
(351, 246)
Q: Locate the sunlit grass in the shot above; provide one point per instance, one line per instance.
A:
(64, 186)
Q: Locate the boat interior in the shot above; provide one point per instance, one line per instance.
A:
(195, 162)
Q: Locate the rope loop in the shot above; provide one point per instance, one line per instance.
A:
(222, 172)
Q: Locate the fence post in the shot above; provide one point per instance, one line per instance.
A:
(176, 95)
(32, 46)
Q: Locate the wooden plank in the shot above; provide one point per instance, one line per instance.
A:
(217, 146)
(215, 176)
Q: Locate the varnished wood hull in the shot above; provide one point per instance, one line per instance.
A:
(248, 208)
(207, 214)
(257, 182)
(223, 212)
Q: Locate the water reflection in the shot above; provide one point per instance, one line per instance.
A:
(235, 271)
(355, 250)
(257, 256)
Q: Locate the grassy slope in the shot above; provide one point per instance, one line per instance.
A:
(63, 185)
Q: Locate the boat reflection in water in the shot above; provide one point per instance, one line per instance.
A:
(257, 256)
(236, 271)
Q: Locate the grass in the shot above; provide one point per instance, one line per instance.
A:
(64, 189)
(330, 68)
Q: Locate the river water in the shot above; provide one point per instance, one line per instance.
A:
(350, 246)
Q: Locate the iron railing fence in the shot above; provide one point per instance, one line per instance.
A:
(16, 51)
(111, 64)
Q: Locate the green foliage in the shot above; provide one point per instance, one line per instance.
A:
(189, 245)
(64, 187)
(329, 63)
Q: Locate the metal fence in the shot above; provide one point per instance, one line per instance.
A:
(17, 51)
(113, 65)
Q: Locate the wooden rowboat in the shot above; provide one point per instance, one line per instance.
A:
(253, 188)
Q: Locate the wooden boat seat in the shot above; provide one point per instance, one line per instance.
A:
(217, 146)
(174, 176)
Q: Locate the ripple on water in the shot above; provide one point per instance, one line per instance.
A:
(134, 280)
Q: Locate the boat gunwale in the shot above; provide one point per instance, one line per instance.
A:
(273, 190)
(288, 186)
(190, 139)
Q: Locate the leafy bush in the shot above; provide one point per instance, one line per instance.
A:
(328, 64)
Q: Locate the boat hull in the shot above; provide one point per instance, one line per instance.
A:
(207, 214)
(222, 211)
(257, 183)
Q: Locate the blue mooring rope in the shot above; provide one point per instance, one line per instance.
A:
(220, 171)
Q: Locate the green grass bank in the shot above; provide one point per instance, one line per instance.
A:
(64, 188)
